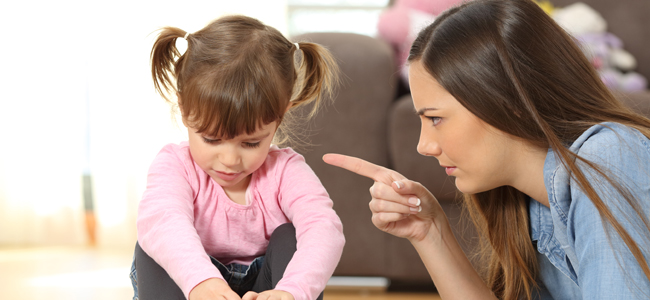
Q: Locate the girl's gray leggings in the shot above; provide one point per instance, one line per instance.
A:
(153, 282)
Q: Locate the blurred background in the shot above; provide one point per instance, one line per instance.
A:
(80, 119)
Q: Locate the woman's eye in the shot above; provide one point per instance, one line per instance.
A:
(251, 145)
(435, 120)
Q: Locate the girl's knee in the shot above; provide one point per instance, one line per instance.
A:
(283, 237)
(285, 230)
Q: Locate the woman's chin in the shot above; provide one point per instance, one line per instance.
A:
(466, 187)
(460, 186)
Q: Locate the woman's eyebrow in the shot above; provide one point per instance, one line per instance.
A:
(423, 110)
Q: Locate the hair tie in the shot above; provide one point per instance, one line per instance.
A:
(297, 46)
(186, 35)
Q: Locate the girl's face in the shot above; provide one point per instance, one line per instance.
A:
(477, 154)
(230, 163)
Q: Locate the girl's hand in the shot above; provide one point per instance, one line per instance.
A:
(213, 289)
(268, 295)
(399, 206)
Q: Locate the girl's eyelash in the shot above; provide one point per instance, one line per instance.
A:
(246, 144)
(251, 145)
(209, 141)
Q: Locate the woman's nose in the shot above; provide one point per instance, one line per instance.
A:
(428, 146)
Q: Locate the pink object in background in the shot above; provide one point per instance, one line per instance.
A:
(399, 25)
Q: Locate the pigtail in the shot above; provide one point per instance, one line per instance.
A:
(166, 61)
(317, 76)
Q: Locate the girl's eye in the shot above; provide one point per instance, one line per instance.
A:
(251, 145)
(435, 120)
(210, 141)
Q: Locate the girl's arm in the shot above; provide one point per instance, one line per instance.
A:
(319, 232)
(397, 210)
(166, 221)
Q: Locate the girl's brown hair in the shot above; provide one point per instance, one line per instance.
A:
(239, 74)
(511, 65)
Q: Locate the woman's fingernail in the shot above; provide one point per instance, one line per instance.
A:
(415, 201)
(398, 184)
(415, 209)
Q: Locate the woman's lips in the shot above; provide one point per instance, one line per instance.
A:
(450, 170)
(227, 176)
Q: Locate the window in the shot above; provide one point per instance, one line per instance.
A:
(357, 16)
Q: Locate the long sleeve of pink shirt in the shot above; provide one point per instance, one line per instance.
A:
(184, 216)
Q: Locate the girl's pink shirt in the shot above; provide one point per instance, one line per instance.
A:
(184, 216)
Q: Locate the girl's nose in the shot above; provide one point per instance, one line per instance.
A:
(427, 146)
(230, 157)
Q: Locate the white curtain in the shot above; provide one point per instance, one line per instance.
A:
(63, 61)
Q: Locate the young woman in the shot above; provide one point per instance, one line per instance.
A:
(555, 171)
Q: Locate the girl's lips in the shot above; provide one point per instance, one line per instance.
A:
(227, 176)
(450, 170)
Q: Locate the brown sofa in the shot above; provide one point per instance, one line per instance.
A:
(370, 120)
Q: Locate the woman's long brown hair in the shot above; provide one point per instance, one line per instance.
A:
(238, 74)
(511, 65)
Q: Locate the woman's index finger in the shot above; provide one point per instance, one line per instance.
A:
(354, 164)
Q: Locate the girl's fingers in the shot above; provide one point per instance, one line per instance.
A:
(268, 295)
(234, 296)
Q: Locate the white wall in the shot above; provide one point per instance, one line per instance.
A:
(59, 55)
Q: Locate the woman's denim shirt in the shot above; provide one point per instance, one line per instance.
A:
(577, 257)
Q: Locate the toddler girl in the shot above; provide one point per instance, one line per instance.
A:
(228, 214)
